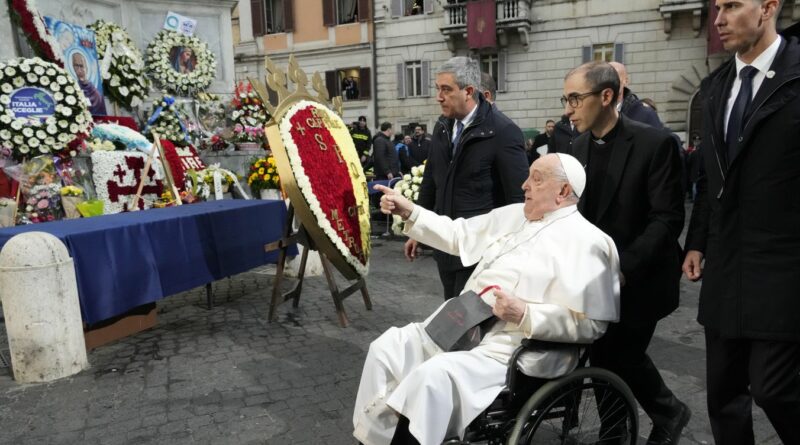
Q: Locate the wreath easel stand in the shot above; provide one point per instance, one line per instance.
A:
(301, 237)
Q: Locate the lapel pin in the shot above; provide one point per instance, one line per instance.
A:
(770, 74)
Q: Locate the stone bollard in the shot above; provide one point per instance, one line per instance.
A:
(41, 308)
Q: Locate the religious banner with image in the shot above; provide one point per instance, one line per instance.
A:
(117, 175)
(79, 51)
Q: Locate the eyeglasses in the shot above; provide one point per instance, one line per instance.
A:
(575, 100)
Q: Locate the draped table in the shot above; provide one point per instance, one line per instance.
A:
(127, 260)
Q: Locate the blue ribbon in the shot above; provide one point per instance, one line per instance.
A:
(169, 100)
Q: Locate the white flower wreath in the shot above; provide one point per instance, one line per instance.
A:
(28, 136)
(166, 66)
(122, 65)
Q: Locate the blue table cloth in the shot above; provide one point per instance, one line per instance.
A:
(126, 260)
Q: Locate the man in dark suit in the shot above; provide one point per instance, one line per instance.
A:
(746, 225)
(476, 162)
(633, 193)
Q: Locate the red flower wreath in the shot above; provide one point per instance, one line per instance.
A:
(330, 180)
(28, 18)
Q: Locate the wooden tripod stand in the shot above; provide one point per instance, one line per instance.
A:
(301, 236)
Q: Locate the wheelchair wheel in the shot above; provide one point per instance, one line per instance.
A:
(588, 406)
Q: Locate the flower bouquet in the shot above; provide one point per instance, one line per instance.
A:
(179, 63)
(409, 187)
(165, 200)
(167, 121)
(71, 196)
(263, 175)
(248, 138)
(42, 204)
(248, 110)
(122, 64)
(213, 180)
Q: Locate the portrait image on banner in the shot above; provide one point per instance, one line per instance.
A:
(79, 48)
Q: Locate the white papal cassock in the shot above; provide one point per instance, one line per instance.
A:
(563, 267)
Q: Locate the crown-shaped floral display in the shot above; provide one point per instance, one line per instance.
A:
(276, 81)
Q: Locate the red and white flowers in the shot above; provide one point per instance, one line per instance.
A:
(328, 173)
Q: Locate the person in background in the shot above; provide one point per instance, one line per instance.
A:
(629, 103)
(564, 132)
(543, 139)
(362, 138)
(488, 88)
(385, 156)
(477, 161)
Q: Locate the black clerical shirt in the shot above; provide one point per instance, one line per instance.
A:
(597, 172)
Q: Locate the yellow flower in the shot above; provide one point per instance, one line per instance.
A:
(261, 171)
(266, 177)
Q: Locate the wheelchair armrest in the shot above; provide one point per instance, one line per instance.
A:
(530, 343)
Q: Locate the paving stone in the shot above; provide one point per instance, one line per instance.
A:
(227, 375)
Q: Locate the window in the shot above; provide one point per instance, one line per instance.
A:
(340, 12)
(411, 7)
(608, 52)
(346, 11)
(413, 79)
(349, 83)
(604, 52)
(271, 16)
(495, 65)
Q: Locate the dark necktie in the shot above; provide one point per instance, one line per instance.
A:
(459, 128)
(740, 106)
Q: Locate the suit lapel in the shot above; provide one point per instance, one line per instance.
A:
(718, 102)
(786, 68)
(580, 150)
(616, 166)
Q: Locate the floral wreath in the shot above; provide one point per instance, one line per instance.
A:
(33, 135)
(329, 176)
(162, 63)
(122, 65)
(27, 17)
(166, 119)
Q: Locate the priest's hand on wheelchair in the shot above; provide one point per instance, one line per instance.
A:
(394, 203)
(508, 307)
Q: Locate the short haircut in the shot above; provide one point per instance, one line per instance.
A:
(465, 70)
(548, 121)
(488, 84)
(385, 126)
(599, 75)
(362, 118)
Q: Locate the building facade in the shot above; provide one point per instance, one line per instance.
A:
(663, 43)
(332, 37)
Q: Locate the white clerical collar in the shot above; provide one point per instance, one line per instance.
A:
(764, 60)
(557, 214)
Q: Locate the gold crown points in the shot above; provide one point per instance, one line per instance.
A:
(276, 81)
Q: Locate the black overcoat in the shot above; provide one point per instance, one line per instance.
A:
(644, 215)
(746, 217)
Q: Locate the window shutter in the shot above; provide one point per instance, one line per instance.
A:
(288, 15)
(401, 80)
(329, 12)
(501, 71)
(428, 6)
(587, 54)
(331, 83)
(619, 52)
(426, 78)
(397, 8)
(364, 13)
(257, 14)
(364, 83)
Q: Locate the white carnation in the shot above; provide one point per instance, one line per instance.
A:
(5, 118)
(38, 70)
(33, 142)
(25, 68)
(10, 72)
(61, 80)
(18, 82)
(63, 123)
(41, 134)
(27, 132)
(66, 111)
(16, 124)
(7, 88)
(69, 89)
(22, 148)
(52, 129)
(70, 100)
(19, 139)
(5, 135)
(73, 128)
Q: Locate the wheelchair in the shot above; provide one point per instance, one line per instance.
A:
(587, 406)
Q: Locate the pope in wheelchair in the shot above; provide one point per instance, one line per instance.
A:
(558, 279)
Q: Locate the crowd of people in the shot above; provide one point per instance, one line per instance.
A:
(583, 242)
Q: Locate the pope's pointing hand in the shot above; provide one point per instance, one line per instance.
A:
(394, 203)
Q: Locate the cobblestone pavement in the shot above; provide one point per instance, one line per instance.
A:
(226, 375)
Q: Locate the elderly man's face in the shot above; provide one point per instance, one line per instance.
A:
(453, 100)
(79, 66)
(541, 188)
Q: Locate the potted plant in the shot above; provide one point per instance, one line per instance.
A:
(263, 178)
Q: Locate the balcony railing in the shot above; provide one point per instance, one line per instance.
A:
(512, 15)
